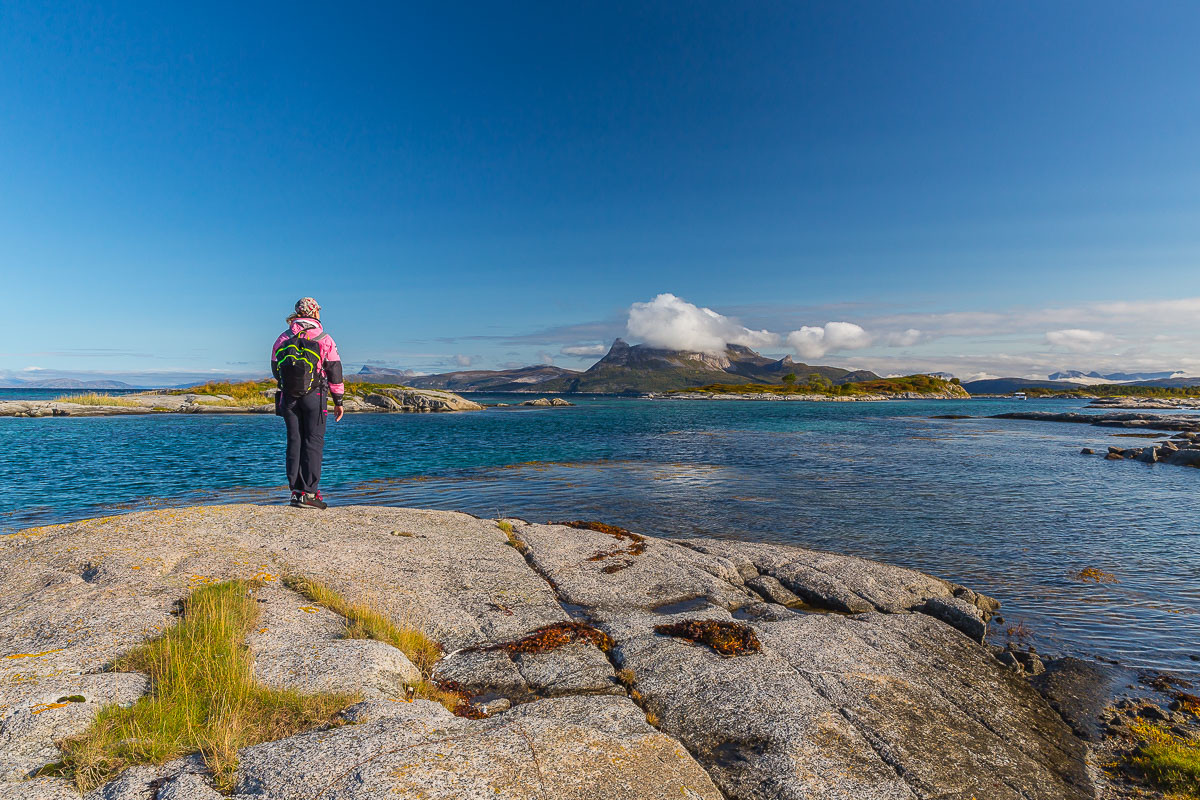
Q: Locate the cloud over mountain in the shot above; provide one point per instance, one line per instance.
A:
(671, 323)
(816, 341)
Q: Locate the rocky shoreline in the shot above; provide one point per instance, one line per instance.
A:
(1140, 403)
(381, 400)
(853, 679)
(1179, 444)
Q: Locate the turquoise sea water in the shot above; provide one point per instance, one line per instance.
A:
(1007, 507)
(50, 394)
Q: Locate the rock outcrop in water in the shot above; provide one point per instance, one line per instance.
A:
(546, 402)
(868, 682)
(1125, 419)
(1181, 450)
(419, 400)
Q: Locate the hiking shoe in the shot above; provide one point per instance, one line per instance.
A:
(295, 501)
(312, 500)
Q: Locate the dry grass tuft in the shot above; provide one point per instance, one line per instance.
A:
(97, 399)
(726, 638)
(203, 697)
(239, 391)
(364, 622)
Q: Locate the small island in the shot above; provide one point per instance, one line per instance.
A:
(820, 388)
(247, 397)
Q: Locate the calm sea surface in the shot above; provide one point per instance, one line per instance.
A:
(1006, 507)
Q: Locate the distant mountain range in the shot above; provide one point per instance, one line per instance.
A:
(63, 383)
(1007, 385)
(370, 374)
(633, 369)
(1112, 377)
(492, 380)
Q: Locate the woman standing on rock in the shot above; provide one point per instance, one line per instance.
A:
(305, 363)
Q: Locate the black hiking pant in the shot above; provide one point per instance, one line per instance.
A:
(305, 418)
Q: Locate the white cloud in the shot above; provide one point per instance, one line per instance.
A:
(672, 323)
(1080, 340)
(1148, 335)
(905, 338)
(584, 350)
(816, 341)
(544, 357)
(462, 360)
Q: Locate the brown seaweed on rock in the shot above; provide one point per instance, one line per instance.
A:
(726, 638)
(602, 527)
(551, 637)
(636, 548)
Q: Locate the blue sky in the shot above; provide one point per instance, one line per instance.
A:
(488, 184)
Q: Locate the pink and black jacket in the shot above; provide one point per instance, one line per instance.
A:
(331, 363)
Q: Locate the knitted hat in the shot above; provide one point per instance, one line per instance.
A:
(307, 307)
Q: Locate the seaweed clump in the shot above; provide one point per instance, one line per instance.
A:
(1173, 686)
(726, 638)
(1094, 575)
(552, 637)
(637, 544)
(459, 699)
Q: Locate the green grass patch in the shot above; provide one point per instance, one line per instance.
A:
(97, 399)
(203, 697)
(513, 540)
(365, 622)
(1169, 761)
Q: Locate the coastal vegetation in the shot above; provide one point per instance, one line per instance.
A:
(362, 388)
(1114, 390)
(203, 697)
(253, 401)
(252, 392)
(240, 390)
(96, 399)
(366, 622)
(818, 384)
(1169, 761)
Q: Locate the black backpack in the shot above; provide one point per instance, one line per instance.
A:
(297, 364)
